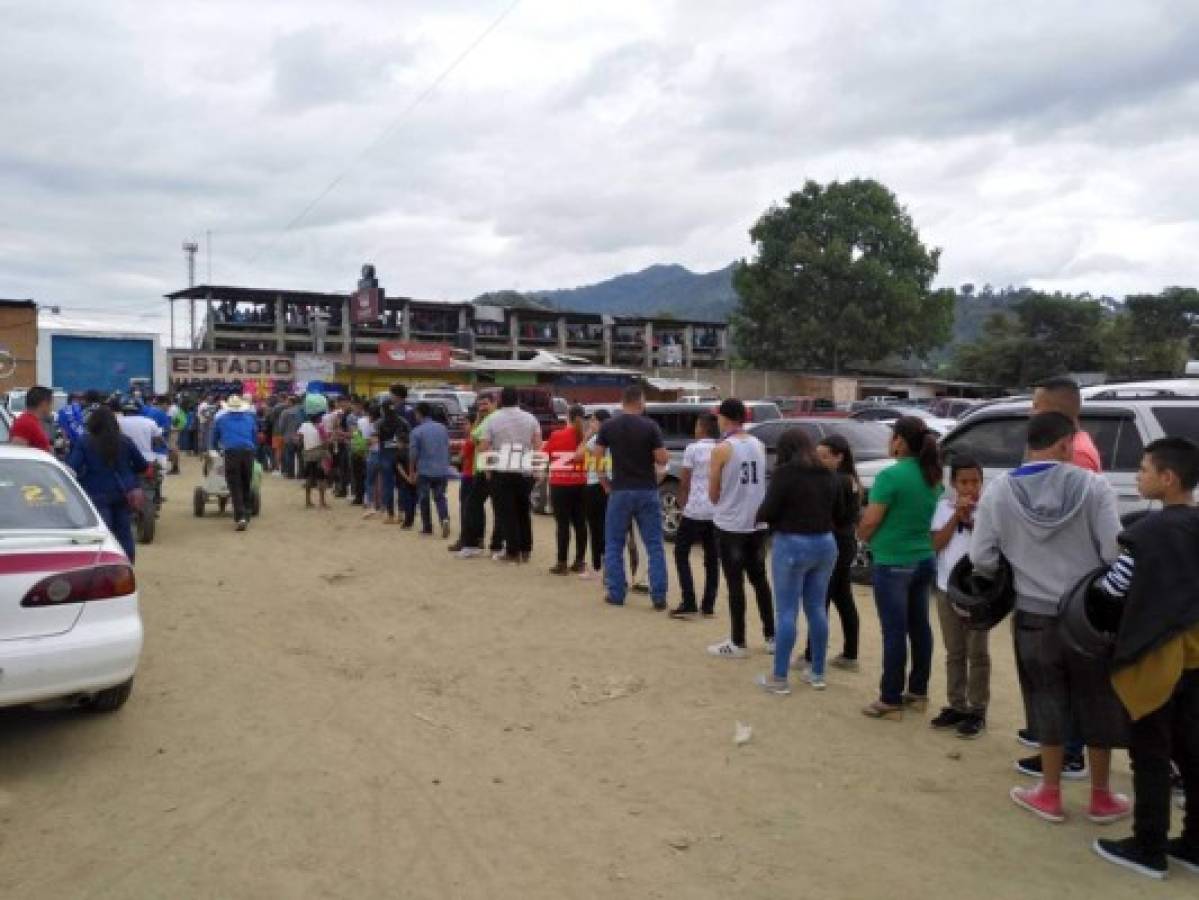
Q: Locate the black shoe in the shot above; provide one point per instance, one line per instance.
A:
(708, 613)
(949, 718)
(455, 547)
(1073, 769)
(1183, 854)
(560, 569)
(612, 602)
(683, 612)
(640, 587)
(407, 526)
(973, 726)
(1025, 737)
(659, 605)
(1128, 853)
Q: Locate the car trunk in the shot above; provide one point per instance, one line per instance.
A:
(26, 561)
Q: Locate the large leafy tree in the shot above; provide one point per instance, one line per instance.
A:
(840, 274)
(1153, 335)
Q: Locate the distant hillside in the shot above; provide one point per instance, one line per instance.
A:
(670, 290)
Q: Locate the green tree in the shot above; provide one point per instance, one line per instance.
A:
(1045, 334)
(839, 274)
(1153, 334)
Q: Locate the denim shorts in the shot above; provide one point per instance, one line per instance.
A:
(1067, 696)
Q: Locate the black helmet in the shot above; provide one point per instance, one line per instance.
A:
(1089, 620)
(981, 602)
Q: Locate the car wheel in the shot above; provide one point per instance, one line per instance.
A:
(112, 699)
(199, 501)
(147, 523)
(672, 515)
(862, 566)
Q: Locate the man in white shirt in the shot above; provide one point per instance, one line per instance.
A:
(142, 431)
(509, 436)
(696, 525)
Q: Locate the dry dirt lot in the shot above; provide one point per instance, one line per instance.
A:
(329, 707)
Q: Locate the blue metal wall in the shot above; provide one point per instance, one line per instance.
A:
(105, 364)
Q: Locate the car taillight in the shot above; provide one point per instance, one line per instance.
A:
(81, 585)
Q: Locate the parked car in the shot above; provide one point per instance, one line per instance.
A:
(69, 621)
(6, 419)
(868, 440)
(799, 407)
(994, 435)
(537, 400)
(952, 407)
(893, 411)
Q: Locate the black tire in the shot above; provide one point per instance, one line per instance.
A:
(672, 515)
(255, 503)
(199, 501)
(860, 572)
(147, 524)
(112, 699)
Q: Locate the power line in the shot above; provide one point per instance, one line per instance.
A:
(387, 132)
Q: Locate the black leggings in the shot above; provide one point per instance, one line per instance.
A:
(743, 555)
(567, 501)
(840, 595)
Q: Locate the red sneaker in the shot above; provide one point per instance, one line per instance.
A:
(1040, 801)
(1107, 807)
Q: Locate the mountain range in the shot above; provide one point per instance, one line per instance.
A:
(665, 290)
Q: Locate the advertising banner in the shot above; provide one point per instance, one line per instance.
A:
(414, 355)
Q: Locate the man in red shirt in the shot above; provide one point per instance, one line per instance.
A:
(1061, 395)
(27, 430)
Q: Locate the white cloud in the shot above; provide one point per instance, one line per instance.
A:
(1049, 144)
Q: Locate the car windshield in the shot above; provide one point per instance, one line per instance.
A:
(868, 440)
(38, 496)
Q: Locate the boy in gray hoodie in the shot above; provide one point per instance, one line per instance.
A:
(1055, 523)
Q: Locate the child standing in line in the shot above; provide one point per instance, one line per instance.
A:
(1155, 668)
(967, 658)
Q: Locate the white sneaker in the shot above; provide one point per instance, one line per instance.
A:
(770, 646)
(816, 681)
(772, 685)
(728, 650)
(468, 553)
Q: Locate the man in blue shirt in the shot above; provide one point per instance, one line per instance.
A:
(70, 419)
(235, 432)
(430, 466)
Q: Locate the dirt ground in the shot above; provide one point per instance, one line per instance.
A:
(329, 707)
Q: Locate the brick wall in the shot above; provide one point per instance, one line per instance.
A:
(18, 337)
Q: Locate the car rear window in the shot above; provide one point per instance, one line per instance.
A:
(37, 496)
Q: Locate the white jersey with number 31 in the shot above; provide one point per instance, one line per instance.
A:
(742, 485)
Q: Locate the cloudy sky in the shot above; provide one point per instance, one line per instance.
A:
(1048, 143)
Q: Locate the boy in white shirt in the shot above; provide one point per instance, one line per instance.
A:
(696, 525)
(967, 659)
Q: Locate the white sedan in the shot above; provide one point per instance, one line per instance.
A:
(69, 622)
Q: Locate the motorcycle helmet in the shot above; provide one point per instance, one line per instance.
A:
(1089, 619)
(983, 602)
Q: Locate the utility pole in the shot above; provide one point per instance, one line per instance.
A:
(190, 248)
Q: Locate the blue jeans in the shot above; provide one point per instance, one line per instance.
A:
(289, 459)
(435, 486)
(645, 507)
(901, 595)
(387, 480)
(371, 490)
(117, 516)
(801, 566)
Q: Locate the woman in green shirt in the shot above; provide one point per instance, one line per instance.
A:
(896, 523)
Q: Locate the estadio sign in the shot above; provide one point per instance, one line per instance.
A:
(202, 366)
(411, 355)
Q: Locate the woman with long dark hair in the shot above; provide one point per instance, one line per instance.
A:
(109, 467)
(801, 505)
(837, 456)
(897, 524)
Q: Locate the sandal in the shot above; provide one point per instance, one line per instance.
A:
(880, 710)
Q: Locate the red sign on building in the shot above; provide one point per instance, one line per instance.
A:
(364, 305)
(412, 355)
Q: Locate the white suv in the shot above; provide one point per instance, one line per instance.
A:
(994, 435)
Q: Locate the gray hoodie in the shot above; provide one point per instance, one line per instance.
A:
(1054, 523)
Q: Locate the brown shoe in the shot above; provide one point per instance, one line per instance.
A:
(560, 569)
(880, 710)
